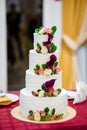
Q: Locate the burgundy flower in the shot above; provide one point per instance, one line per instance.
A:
(48, 85)
(48, 43)
(48, 46)
(50, 37)
(50, 64)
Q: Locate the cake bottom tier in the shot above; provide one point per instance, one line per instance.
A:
(29, 102)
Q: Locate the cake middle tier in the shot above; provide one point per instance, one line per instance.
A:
(34, 82)
(37, 58)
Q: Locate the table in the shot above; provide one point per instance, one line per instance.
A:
(8, 122)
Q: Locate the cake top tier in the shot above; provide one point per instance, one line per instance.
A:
(43, 40)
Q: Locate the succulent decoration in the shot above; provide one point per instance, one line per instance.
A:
(48, 46)
(44, 115)
(51, 67)
(47, 90)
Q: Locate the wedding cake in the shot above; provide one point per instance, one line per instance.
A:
(43, 99)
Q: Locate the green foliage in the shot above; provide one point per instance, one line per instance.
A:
(46, 110)
(38, 90)
(43, 118)
(55, 72)
(53, 111)
(30, 112)
(32, 92)
(54, 28)
(53, 48)
(39, 46)
(61, 115)
(37, 67)
(43, 88)
(44, 66)
(56, 63)
(48, 117)
(38, 29)
(59, 90)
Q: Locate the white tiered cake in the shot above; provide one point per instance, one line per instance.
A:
(43, 98)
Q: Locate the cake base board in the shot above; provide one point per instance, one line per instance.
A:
(17, 114)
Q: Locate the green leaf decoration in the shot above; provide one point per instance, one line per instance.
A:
(53, 47)
(59, 90)
(39, 46)
(32, 92)
(44, 66)
(56, 64)
(38, 90)
(31, 112)
(53, 111)
(36, 95)
(43, 88)
(54, 28)
(43, 118)
(46, 110)
(38, 29)
(55, 72)
(37, 67)
(61, 115)
(48, 117)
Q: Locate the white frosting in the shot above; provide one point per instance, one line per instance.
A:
(34, 81)
(29, 102)
(39, 38)
(37, 58)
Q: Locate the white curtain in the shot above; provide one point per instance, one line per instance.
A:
(82, 51)
(82, 63)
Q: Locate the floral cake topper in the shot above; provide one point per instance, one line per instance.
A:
(42, 30)
(47, 90)
(48, 46)
(51, 67)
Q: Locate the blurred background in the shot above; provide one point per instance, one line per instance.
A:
(19, 18)
(23, 16)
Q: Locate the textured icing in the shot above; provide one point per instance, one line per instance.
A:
(34, 82)
(29, 102)
(38, 38)
(36, 58)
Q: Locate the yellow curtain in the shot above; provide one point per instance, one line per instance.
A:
(73, 14)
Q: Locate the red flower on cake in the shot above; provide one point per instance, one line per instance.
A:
(48, 85)
(50, 64)
(56, 117)
(57, 69)
(48, 43)
(47, 30)
(41, 71)
(42, 113)
(55, 92)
